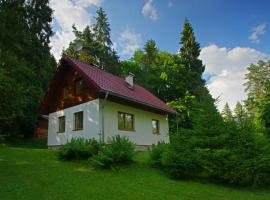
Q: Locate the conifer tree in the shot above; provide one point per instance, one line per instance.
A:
(227, 113)
(107, 57)
(190, 50)
(95, 45)
(151, 52)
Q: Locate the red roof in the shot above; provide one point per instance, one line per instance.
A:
(117, 86)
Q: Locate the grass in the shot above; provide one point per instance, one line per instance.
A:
(27, 173)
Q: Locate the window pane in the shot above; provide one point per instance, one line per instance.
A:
(61, 124)
(78, 117)
(129, 122)
(121, 122)
(155, 126)
(65, 92)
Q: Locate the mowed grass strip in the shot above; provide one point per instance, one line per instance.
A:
(27, 173)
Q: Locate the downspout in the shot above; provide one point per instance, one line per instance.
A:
(102, 117)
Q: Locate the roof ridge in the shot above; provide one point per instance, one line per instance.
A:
(102, 70)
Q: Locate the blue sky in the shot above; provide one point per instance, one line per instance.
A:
(226, 23)
(232, 34)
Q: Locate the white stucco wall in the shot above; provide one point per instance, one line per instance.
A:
(143, 124)
(91, 125)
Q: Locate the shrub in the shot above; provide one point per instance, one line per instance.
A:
(79, 149)
(119, 151)
(248, 165)
(156, 154)
(182, 159)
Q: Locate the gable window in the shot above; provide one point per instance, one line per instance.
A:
(65, 92)
(78, 87)
(61, 124)
(78, 121)
(155, 126)
(125, 121)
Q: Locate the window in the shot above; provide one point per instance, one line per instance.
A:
(61, 124)
(155, 126)
(65, 92)
(78, 87)
(78, 121)
(125, 121)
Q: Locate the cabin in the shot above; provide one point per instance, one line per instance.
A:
(85, 101)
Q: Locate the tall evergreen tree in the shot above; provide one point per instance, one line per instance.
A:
(95, 45)
(102, 29)
(227, 113)
(151, 52)
(107, 57)
(190, 50)
(258, 91)
(26, 63)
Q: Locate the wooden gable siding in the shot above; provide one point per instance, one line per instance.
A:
(42, 128)
(66, 77)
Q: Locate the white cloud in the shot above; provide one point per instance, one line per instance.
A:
(257, 32)
(66, 13)
(87, 3)
(149, 9)
(170, 4)
(228, 68)
(128, 42)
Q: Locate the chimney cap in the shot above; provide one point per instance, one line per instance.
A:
(130, 74)
(129, 80)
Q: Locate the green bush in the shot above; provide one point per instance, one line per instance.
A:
(156, 154)
(182, 159)
(119, 151)
(248, 164)
(79, 149)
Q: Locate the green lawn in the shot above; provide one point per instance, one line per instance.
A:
(27, 173)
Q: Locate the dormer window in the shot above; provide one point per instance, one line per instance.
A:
(78, 87)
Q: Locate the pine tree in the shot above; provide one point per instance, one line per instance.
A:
(242, 118)
(151, 52)
(95, 45)
(102, 29)
(190, 50)
(227, 114)
(107, 57)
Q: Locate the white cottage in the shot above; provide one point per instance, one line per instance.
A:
(85, 101)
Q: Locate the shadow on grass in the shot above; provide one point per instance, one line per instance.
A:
(28, 143)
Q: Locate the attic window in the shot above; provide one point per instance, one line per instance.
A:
(65, 92)
(78, 87)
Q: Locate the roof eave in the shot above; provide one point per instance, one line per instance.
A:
(136, 101)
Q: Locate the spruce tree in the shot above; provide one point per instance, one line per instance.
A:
(107, 57)
(151, 52)
(102, 29)
(190, 50)
(227, 113)
(95, 45)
